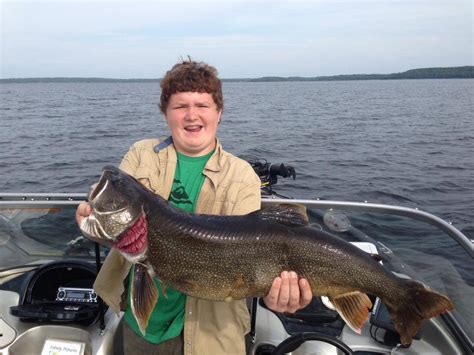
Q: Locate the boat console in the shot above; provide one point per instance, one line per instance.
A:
(59, 292)
(47, 301)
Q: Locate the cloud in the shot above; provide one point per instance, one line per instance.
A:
(243, 38)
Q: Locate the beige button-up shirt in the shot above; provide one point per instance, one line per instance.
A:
(231, 187)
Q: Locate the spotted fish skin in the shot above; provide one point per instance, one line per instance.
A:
(219, 257)
(224, 258)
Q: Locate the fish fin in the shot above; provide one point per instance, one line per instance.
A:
(419, 304)
(293, 215)
(353, 307)
(376, 257)
(163, 289)
(144, 295)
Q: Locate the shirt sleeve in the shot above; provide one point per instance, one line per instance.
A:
(130, 161)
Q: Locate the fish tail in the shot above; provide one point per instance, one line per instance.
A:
(419, 304)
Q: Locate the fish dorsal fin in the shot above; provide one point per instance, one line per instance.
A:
(353, 307)
(376, 257)
(144, 295)
(293, 215)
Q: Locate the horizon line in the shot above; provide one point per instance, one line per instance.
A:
(224, 79)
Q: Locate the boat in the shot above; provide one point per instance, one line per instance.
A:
(47, 269)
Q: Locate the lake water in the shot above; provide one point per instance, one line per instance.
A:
(406, 142)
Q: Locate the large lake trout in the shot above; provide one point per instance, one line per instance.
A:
(223, 258)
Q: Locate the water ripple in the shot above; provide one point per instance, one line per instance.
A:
(396, 142)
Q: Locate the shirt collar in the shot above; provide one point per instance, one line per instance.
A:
(213, 164)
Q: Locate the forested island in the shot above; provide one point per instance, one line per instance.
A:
(465, 72)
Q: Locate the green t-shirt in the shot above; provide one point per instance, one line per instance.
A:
(167, 318)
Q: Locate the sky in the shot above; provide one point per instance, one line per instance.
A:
(243, 39)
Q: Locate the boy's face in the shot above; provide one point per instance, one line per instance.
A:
(193, 118)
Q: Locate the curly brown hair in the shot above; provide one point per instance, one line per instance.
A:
(191, 76)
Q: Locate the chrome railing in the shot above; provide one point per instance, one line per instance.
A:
(417, 214)
(54, 200)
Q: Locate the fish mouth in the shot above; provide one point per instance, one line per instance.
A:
(98, 188)
(133, 243)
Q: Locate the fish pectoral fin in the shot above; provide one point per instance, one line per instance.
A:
(293, 215)
(163, 289)
(144, 295)
(354, 308)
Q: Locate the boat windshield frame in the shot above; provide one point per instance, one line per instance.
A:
(414, 213)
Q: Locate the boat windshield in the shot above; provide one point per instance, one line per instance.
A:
(31, 235)
(409, 243)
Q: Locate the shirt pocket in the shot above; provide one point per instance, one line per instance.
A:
(226, 198)
(148, 178)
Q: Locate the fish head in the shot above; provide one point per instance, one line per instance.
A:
(117, 219)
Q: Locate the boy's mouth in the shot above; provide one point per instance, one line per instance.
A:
(193, 128)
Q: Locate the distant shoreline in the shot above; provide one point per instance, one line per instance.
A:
(465, 72)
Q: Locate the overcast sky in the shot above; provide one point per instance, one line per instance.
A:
(142, 39)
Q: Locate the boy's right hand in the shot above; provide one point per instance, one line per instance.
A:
(83, 210)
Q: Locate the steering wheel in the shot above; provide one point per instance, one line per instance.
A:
(296, 340)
